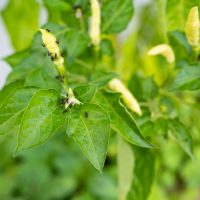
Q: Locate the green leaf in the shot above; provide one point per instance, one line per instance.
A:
(12, 108)
(143, 174)
(121, 120)
(181, 47)
(21, 19)
(56, 29)
(161, 126)
(35, 63)
(166, 105)
(106, 47)
(84, 93)
(16, 58)
(41, 119)
(188, 78)
(22, 69)
(182, 134)
(89, 126)
(177, 12)
(9, 90)
(44, 79)
(101, 78)
(116, 15)
(76, 43)
(143, 88)
(59, 5)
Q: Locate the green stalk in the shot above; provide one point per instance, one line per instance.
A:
(195, 53)
(95, 58)
(63, 74)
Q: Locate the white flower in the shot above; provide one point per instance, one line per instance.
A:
(71, 99)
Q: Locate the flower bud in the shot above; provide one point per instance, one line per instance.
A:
(95, 23)
(50, 42)
(192, 27)
(165, 50)
(130, 101)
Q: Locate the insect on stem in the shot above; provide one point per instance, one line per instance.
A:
(54, 52)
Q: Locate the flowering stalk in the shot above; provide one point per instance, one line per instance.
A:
(95, 23)
(165, 50)
(130, 101)
(79, 15)
(192, 28)
(52, 45)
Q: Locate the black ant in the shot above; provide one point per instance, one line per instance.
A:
(60, 78)
(63, 101)
(86, 114)
(53, 57)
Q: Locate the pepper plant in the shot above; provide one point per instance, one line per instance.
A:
(119, 96)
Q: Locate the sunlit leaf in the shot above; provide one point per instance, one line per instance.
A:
(121, 121)
(21, 19)
(41, 119)
(177, 12)
(187, 78)
(89, 126)
(60, 5)
(12, 108)
(116, 15)
(76, 43)
(183, 136)
(16, 58)
(85, 93)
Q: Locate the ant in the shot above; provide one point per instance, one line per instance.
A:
(86, 114)
(60, 78)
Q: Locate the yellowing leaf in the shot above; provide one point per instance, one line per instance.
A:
(130, 101)
(192, 27)
(165, 50)
(95, 23)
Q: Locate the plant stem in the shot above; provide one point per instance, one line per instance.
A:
(196, 53)
(95, 58)
(63, 74)
(82, 23)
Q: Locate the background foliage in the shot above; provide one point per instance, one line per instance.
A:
(168, 95)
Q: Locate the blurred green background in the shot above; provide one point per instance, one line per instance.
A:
(58, 170)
